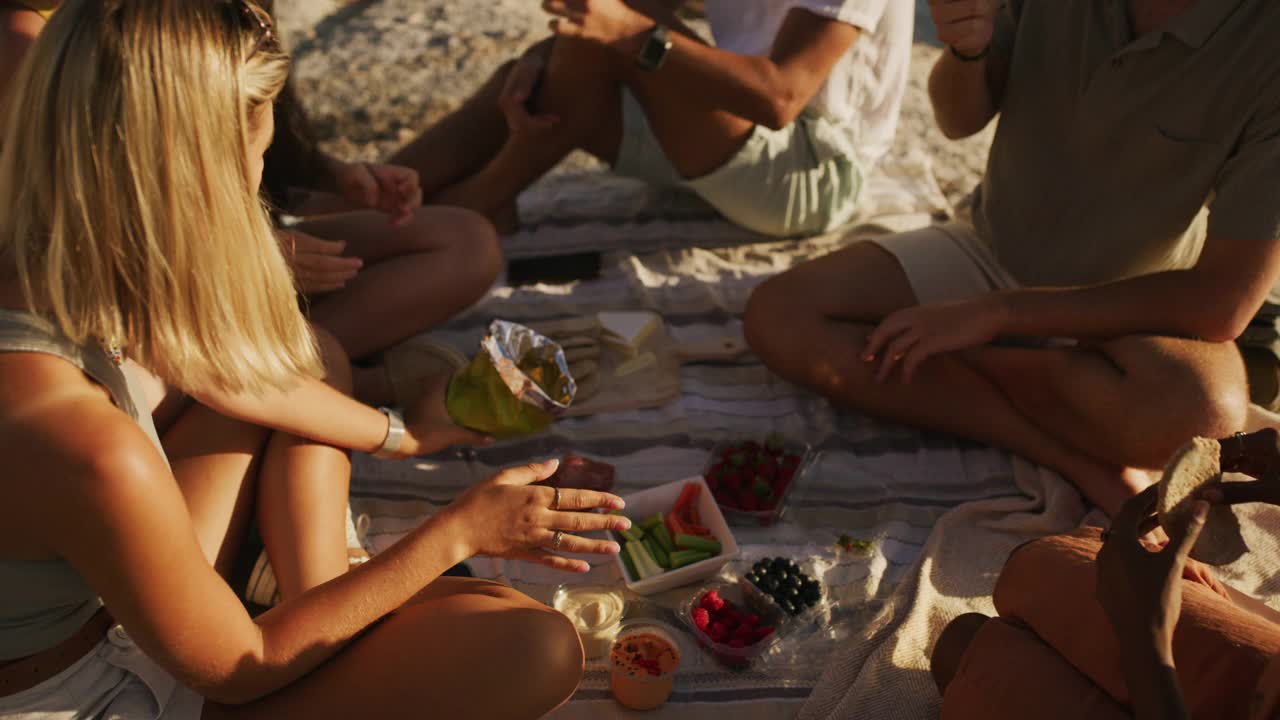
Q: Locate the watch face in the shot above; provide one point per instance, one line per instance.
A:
(655, 49)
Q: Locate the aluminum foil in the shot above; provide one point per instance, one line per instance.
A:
(532, 366)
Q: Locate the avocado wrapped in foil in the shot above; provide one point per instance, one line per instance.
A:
(518, 383)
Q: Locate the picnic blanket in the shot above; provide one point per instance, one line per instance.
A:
(942, 513)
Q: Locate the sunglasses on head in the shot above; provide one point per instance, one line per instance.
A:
(252, 17)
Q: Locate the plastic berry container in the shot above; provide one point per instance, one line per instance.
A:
(734, 658)
(763, 603)
(770, 509)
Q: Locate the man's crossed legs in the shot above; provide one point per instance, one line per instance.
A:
(1096, 412)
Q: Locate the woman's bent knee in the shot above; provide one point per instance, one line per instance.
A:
(951, 647)
(551, 658)
(483, 251)
(469, 241)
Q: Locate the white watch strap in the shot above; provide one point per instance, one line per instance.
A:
(395, 434)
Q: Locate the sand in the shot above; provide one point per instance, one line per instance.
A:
(373, 73)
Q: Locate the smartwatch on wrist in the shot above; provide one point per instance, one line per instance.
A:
(656, 47)
(395, 435)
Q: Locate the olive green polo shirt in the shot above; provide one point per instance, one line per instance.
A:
(1115, 155)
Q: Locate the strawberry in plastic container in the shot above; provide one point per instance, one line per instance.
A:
(752, 477)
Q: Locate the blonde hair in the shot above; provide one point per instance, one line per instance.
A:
(127, 209)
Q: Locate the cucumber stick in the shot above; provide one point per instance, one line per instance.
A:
(632, 572)
(659, 555)
(633, 534)
(645, 564)
(663, 536)
(680, 558)
(651, 522)
(694, 542)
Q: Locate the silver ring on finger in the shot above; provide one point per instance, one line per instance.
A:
(555, 499)
(556, 539)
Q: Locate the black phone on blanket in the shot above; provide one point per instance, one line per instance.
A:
(558, 270)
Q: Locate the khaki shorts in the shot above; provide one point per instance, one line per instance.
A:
(795, 181)
(947, 262)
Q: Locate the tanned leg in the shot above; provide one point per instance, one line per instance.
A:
(950, 648)
(1089, 414)
(461, 143)
(462, 649)
(582, 86)
(302, 497)
(215, 460)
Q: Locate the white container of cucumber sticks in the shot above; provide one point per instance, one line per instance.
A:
(662, 499)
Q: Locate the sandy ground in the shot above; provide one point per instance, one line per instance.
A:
(373, 73)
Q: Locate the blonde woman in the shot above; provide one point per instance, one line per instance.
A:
(299, 477)
(125, 224)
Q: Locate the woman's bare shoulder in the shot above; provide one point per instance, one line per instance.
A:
(61, 435)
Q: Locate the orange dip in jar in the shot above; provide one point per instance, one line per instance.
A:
(643, 664)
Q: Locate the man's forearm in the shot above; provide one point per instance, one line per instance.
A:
(770, 91)
(962, 97)
(1176, 303)
(753, 88)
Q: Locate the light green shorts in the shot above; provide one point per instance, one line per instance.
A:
(793, 181)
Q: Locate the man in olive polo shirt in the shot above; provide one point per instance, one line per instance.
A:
(1124, 234)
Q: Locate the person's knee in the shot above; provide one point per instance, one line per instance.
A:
(773, 306)
(479, 242)
(952, 644)
(337, 365)
(463, 240)
(571, 51)
(552, 658)
(1217, 389)
(1201, 387)
(576, 72)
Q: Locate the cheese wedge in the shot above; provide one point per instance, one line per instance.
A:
(636, 364)
(627, 332)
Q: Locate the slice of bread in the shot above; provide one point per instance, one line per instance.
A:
(1192, 467)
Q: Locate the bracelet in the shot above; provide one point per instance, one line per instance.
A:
(969, 58)
(395, 435)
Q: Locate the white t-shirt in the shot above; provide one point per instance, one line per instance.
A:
(864, 92)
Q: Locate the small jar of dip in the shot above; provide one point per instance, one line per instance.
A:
(642, 665)
(595, 611)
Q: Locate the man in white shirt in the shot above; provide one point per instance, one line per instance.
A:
(775, 126)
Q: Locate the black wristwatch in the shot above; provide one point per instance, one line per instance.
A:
(655, 49)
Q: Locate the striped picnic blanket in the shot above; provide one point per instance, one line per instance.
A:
(871, 480)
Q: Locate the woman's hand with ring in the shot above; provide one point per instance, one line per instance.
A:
(507, 516)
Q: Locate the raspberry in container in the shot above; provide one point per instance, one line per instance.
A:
(725, 625)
